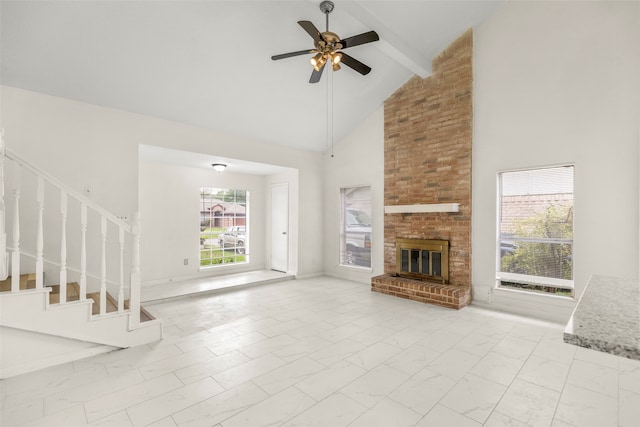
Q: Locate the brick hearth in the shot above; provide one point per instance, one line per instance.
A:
(452, 296)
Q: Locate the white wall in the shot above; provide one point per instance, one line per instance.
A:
(90, 146)
(554, 83)
(170, 212)
(358, 160)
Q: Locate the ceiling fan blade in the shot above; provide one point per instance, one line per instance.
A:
(315, 76)
(311, 29)
(355, 64)
(290, 54)
(363, 38)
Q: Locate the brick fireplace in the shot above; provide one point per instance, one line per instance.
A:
(427, 156)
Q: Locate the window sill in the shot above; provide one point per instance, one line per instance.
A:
(209, 267)
(528, 295)
(356, 268)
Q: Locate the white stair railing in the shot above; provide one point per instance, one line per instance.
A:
(127, 237)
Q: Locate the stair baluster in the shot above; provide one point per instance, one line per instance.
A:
(121, 287)
(63, 247)
(15, 255)
(103, 266)
(83, 251)
(40, 236)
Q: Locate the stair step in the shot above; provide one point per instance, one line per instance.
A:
(112, 306)
(73, 293)
(145, 316)
(27, 281)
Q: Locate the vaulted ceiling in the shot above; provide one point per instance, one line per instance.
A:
(207, 63)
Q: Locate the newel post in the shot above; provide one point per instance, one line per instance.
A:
(40, 235)
(103, 265)
(134, 297)
(121, 281)
(4, 258)
(83, 251)
(63, 246)
(15, 254)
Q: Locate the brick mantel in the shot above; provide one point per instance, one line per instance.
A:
(428, 131)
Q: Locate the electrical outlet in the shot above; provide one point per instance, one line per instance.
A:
(186, 261)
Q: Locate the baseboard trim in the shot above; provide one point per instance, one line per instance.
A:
(309, 276)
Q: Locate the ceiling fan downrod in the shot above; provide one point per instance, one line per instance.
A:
(326, 7)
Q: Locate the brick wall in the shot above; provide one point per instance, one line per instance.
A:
(428, 130)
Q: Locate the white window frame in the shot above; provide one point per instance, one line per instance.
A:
(235, 255)
(342, 232)
(525, 278)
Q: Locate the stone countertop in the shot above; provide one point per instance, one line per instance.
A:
(607, 317)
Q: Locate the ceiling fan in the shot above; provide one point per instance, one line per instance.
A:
(329, 46)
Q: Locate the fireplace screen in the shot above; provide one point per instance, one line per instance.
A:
(423, 259)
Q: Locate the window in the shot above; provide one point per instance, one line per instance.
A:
(536, 230)
(224, 235)
(355, 227)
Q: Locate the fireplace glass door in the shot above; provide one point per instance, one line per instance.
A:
(419, 261)
(423, 259)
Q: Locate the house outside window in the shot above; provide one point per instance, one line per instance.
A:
(224, 235)
(355, 227)
(535, 230)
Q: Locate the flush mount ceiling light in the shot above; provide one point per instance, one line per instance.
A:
(219, 167)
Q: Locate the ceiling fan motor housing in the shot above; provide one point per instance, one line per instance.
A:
(329, 43)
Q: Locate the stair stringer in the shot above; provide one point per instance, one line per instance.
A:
(30, 310)
(25, 351)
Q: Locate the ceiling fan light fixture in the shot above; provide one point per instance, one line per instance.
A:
(336, 58)
(219, 167)
(318, 61)
(336, 66)
(314, 60)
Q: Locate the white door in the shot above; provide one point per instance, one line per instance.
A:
(280, 227)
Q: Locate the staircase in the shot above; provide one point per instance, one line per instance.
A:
(28, 281)
(61, 302)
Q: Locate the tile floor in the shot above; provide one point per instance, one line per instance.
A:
(329, 353)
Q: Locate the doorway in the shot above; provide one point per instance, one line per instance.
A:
(280, 227)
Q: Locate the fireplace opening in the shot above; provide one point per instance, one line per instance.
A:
(423, 259)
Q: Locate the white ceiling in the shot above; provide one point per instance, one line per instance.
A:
(168, 156)
(207, 63)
